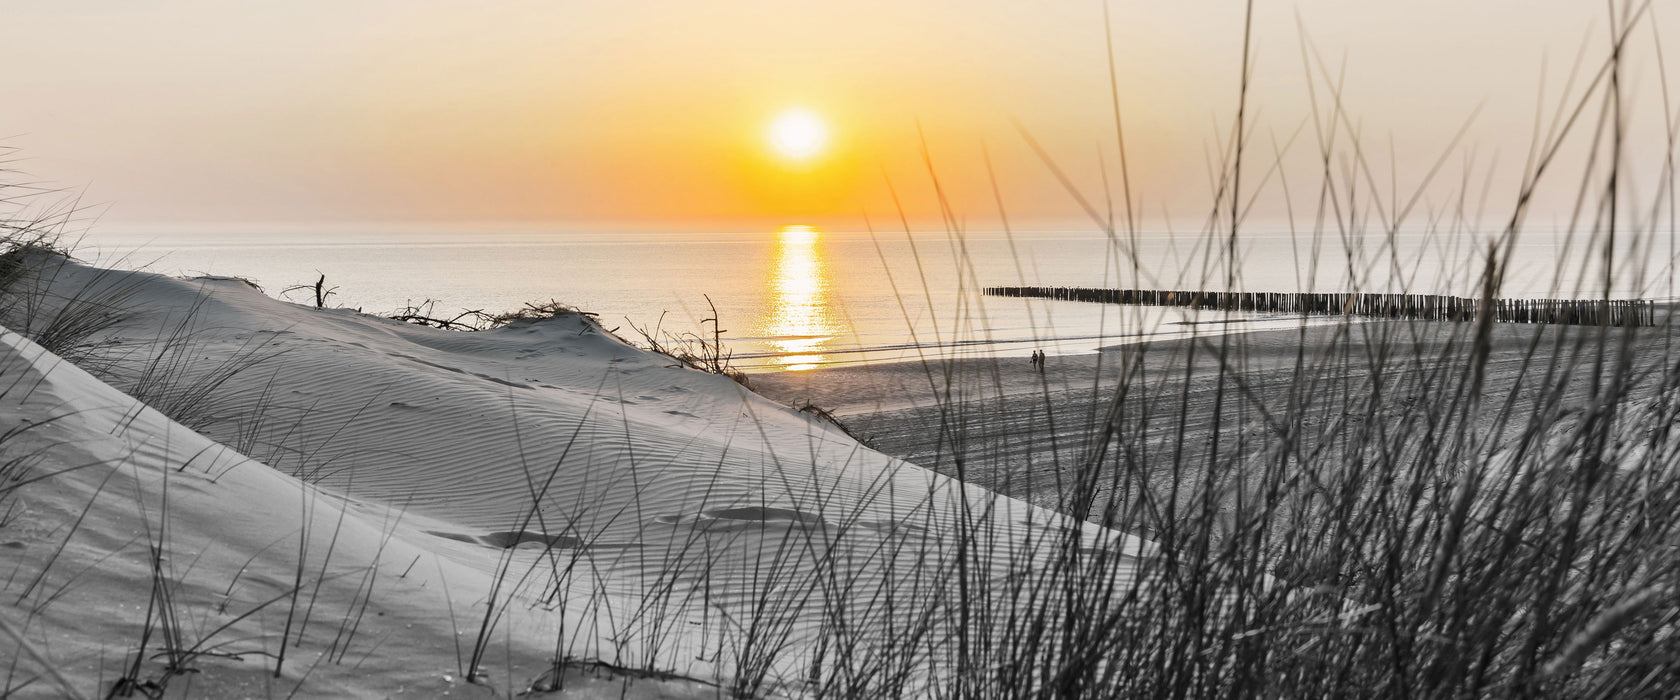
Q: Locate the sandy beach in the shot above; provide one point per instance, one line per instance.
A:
(344, 504)
(283, 499)
(1004, 424)
(662, 350)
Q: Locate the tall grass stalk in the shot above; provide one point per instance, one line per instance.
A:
(1389, 508)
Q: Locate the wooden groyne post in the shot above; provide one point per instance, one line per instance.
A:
(1430, 307)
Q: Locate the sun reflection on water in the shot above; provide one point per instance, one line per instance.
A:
(800, 324)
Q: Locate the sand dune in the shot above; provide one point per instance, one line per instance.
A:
(501, 498)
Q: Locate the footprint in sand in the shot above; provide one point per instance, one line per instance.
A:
(731, 519)
(508, 539)
(890, 527)
(761, 514)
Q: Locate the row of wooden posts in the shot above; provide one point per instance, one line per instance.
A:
(1582, 312)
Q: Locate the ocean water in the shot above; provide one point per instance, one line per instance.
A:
(796, 297)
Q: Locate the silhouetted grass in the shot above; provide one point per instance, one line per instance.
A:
(1390, 508)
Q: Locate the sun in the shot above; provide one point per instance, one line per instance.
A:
(798, 134)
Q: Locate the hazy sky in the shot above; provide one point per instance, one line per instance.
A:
(622, 111)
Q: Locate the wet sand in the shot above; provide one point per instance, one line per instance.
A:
(999, 422)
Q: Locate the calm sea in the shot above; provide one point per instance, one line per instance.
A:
(797, 297)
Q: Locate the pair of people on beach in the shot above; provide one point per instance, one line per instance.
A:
(1038, 359)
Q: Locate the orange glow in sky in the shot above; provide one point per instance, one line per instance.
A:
(732, 112)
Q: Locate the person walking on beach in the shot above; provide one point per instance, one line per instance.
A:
(1040, 361)
(1036, 359)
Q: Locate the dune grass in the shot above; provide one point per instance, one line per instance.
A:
(1376, 509)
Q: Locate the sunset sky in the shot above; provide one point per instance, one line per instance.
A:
(636, 112)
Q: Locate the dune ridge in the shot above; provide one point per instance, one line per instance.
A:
(547, 492)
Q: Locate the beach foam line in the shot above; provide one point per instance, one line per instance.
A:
(1166, 330)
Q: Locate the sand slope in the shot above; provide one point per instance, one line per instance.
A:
(131, 507)
(505, 497)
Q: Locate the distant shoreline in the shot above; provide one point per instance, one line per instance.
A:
(898, 407)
